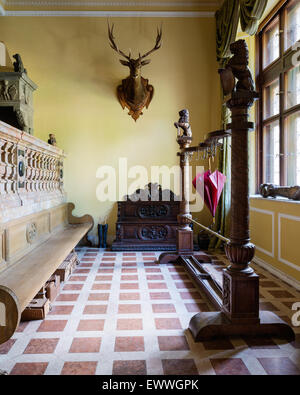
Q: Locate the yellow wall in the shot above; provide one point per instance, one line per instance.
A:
(77, 74)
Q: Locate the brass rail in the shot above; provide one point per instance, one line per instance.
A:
(211, 231)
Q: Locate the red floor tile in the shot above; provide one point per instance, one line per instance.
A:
(105, 271)
(91, 254)
(129, 278)
(218, 344)
(176, 270)
(129, 309)
(82, 271)
(73, 287)
(79, 368)
(129, 270)
(109, 264)
(163, 308)
(98, 296)
(85, 345)
(41, 346)
(129, 344)
(157, 286)
(134, 368)
(229, 366)
(61, 310)
(91, 325)
(281, 294)
(179, 367)
(173, 343)
(148, 253)
(52, 326)
(5, 347)
(108, 259)
(29, 368)
(130, 259)
(67, 298)
(129, 286)
(95, 309)
(167, 323)
(185, 285)
(103, 278)
(129, 264)
(129, 296)
(129, 254)
(152, 270)
(127, 324)
(101, 287)
(160, 295)
(190, 295)
(87, 260)
(85, 264)
(279, 366)
(155, 277)
(180, 277)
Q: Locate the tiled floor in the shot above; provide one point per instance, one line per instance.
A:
(121, 313)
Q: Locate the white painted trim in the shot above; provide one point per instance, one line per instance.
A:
(2, 11)
(278, 273)
(278, 199)
(95, 3)
(286, 262)
(271, 254)
(119, 14)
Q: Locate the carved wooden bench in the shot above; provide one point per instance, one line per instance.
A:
(35, 246)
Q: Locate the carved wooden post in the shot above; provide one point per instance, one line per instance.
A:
(240, 283)
(184, 232)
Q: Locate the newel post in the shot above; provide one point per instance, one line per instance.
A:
(240, 282)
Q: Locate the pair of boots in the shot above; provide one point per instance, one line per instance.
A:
(102, 233)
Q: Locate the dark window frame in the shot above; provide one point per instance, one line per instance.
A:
(264, 76)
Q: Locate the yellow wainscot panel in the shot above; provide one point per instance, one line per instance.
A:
(262, 230)
(288, 234)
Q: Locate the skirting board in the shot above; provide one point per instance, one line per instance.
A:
(278, 273)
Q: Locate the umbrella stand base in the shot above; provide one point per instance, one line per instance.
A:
(169, 257)
(206, 326)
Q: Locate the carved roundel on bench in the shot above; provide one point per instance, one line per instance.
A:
(31, 232)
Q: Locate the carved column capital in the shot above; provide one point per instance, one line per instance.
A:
(240, 256)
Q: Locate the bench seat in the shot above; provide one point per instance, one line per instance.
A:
(21, 281)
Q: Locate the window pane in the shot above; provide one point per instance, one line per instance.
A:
(292, 34)
(293, 148)
(271, 44)
(271, 100)
(292, 97)
(271, 142)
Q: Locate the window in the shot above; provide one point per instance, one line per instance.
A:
(278, 81)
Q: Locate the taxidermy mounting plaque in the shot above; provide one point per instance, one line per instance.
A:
(135, 93)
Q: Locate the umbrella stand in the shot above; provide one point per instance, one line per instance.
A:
(211, 231)
(237, 302)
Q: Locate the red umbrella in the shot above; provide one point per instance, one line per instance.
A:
(212, 185)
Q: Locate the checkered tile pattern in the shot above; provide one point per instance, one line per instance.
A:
(122, 313)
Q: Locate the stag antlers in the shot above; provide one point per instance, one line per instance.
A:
(128, 57)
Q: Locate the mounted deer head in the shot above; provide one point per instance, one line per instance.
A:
(135, 93)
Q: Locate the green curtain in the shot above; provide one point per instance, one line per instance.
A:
(250, 13)
(227, 18)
